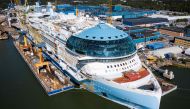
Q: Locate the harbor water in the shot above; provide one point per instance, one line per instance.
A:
(21, 90)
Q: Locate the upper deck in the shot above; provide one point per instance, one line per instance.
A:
(131, 76)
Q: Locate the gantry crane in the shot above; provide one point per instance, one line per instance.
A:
(41, 62)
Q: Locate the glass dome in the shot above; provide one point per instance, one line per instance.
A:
(115, 44)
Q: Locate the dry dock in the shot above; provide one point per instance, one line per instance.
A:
(52, 82)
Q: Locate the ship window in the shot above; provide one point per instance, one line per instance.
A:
(111, 66)
(114, 48)
(118, 65)
(116, 36)
(107, 66)
(87, 36)
(93, 37)
(101, 37)
(114, 65)
(121, 35)
(123, 63)
(109, 37)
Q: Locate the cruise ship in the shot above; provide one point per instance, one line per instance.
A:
(96, 55)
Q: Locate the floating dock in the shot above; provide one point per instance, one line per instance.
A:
(166, 86)
(53, 82)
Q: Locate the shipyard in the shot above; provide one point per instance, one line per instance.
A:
(125, 56)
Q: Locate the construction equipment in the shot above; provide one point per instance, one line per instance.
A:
(151, 58)
(41, 62)
(109, 19)
(26, 44)
(76, 11)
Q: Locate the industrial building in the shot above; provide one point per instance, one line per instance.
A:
(156, 45)
(172, 31)
(170, 18)
(145, 21)
(182, 41)
(118, 11)
(141, 35)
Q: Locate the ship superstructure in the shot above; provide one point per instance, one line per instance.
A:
(108, 58)
(98, 56)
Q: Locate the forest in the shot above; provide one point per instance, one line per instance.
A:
(172, 5)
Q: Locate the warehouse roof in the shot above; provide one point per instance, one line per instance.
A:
(144, 20)
(175, 29)
(184, 38)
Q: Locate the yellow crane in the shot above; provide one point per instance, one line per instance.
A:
(109, 19)
(26, 45)
(77, 11)
(41, 62)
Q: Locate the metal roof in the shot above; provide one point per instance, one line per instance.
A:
(102, 32)
(183, 38)
(175, 29)
(144, 20)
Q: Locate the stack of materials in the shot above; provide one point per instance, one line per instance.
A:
(187, 51)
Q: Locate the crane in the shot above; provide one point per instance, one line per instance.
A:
(26, 45)
(77, 11)
(41, 62)
(109, 19)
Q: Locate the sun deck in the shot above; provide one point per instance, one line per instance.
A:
(132, 76)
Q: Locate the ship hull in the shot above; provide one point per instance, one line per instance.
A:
(127, 97)
(114, 92)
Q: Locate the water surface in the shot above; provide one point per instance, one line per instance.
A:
(19, 89)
